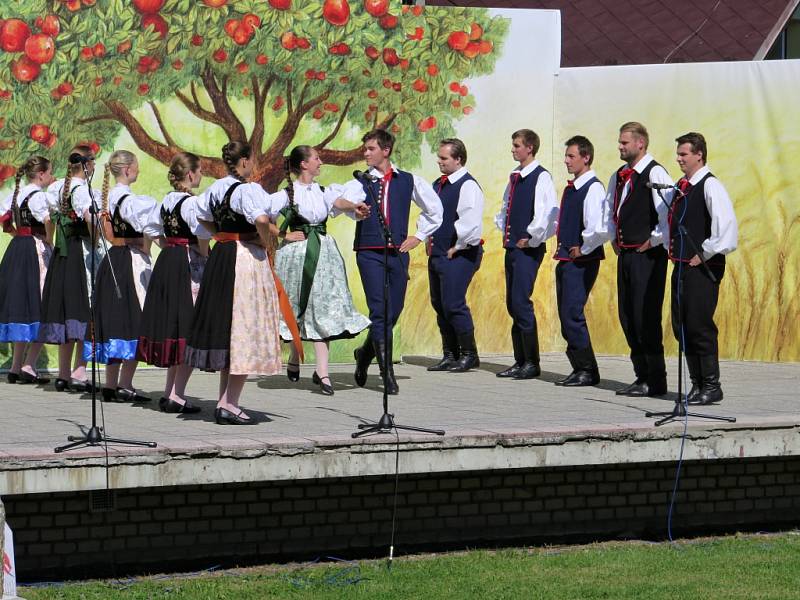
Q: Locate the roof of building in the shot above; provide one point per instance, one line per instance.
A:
(626, 32)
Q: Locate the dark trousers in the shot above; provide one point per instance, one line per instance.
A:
(641, 280)
(695, 296)
(449, 279)
(522, 266)
(574, 281)
(370, 266)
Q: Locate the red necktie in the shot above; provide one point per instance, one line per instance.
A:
(684, 186)
(513, 178)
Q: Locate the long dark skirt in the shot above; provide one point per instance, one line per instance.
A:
(20, 292)
(117, 320)
(168, 309)
(65, 299)
(208, 343)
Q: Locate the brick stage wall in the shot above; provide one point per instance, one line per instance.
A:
(183, 528)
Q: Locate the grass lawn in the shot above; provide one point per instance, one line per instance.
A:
(747, 567)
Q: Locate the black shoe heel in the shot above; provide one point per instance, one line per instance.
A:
(292, 374)
(168, 405)
(225, 417)
(325, 388)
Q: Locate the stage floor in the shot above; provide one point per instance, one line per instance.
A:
(477, 411)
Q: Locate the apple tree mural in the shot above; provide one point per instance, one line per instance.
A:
(81, 71)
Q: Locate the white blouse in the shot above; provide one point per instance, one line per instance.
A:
(312, 203)
(136, 210)
(81, 201)
(155, 227)
(249, 199)
(38, 204)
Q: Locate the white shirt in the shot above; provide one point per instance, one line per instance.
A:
(545, 207)
(469, 223)
(81, 201)
(249, 199)
(596, 215)
(423, 196)
(38, 204)
(724, 228)
(155, 226)
(135, 210)
(312, 203)
(658, 174)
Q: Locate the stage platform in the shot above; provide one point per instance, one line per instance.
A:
(520, 460)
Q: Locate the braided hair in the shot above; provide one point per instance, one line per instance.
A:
(65, 206)
(182, 164)
(232, 153)
(29, 169)
(294, 164)
(115, 165)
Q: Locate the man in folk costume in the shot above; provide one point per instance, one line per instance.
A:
(702, 211)
(526, 220)
(455, 256)
(640, 232)
(395, 190)
(582, 230)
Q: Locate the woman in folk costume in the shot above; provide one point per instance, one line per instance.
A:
(122, 279)
(235, 329)
(25, 215)
(65, 298)
(309, 263)
(169, 305)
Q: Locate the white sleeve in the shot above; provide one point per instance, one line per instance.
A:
(595, 218)
(470, 215)
(353, 191)
(137, 211)
(5, 206)
(660, 235)
(430, 219)
(724, 228)
(39, 205)
(545, 211)
(189, 214)
(276, 203)
(154, 228)
(500, 218)
(202, 205)
(250, 200)
(81, 201)
(332, 193)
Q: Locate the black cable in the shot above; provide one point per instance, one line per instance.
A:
(394, 500)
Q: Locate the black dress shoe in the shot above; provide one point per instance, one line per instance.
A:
(466, 362)
(528, 370)
(638, 390)
(325, 388)
(655, 389)
(626, 391)
(225, 417)
(12, 377)
(168, 405)
(511, 371)
(580, 378)
(85, 386)
(293, 373)
(363, 356)
(110, 395)
(131, 396)
(445, 364)
(707, 396)
(25, 377)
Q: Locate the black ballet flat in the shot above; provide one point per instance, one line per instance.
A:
(225, 417)
(131, 396)
(292, 374)
(61, 385)
(82, 387)
(325, 388)
(110, 395)
(25, 377)
(168, 405)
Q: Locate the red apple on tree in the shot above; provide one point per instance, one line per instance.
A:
(280, 4)
(25, 70)
(215, 3)
(389, 22)
(458, 40)
(40, 48)
(13, 35)
(220, 55)
(158, 24)
(390, 57)
(336, 12)
(372, 52)
(197, 40)
(433, 70)
(289, 40)
(51, 26)
(376, 8)
(51, 140)
(262, 59)
(148, 7)
(39, 132)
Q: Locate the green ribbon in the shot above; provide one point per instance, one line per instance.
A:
(63, 222)
(294, 222)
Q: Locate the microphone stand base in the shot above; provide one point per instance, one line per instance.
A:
(386, 424)
(680, 412)
(95, 437)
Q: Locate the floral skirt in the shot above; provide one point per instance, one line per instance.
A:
(236, 318)
(330, 313)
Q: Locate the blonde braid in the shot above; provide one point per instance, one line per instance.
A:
(182, 164)
(104, 192)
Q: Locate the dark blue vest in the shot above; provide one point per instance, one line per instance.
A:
(520, 209)
(571, 225)
(445, 237)
(368, 231)
(637, 216)
(691, 212)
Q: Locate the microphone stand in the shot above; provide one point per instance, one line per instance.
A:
(680, 410)
(95, 436)
(386, 423)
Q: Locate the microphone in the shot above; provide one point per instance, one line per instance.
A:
(76, 158)
(361, 175)
(661, 186)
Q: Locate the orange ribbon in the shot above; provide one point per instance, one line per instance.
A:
(288, 314)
